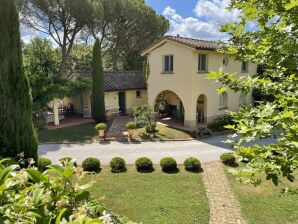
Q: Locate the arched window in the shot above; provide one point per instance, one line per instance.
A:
(242, 98)
(223, 100)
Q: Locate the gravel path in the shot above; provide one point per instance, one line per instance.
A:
(205, 150)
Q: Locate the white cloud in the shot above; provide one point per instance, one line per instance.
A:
(193, 27)
(216, 11)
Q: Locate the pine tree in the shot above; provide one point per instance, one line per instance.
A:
(17, 134)
(98, 103)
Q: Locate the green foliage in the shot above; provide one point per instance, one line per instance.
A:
(97, 102)
(219, 123)
(91, 165)
(203, 131)
(29, 196)
(273, 45)
(192, 164)
(17, 133)
(228, 159)
(144, 165)
(131, 126)
(145, 117)
(65, 161)
(168, 165)
(118, 165)
(101, 126)
(43, 163)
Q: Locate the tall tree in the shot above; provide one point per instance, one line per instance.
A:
(125, 29)
(17, 133)
(273, 44)
(62, 20)
(97, 102)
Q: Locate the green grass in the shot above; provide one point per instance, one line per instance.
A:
(163, 133)
(153, 198)
(77, 133)
(264, 204)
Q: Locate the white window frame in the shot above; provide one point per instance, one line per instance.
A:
(170, 63)
(200, 64)
(223, 100)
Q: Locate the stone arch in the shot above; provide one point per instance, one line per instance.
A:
(168, 103)
(201, 109)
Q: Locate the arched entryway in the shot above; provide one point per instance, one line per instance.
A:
(169, 105)
(202, 109)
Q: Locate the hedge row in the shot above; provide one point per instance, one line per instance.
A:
(118, 165)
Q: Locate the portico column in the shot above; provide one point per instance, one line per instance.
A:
(56, 112)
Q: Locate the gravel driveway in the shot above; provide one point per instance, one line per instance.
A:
(205, 150)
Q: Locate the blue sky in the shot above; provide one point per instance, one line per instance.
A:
(199, 19)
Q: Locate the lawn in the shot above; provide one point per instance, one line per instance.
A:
(153, 198)
(264, 204)
(163, 133)
(77, 133)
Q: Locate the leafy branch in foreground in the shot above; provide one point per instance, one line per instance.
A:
(29, 196)
(272, 43)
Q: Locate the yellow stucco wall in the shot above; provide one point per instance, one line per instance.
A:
(111, 100)
(187, 83)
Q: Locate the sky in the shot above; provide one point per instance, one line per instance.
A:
(199, 19)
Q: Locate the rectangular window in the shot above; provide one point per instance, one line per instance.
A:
(138, 94)
(202, 63)
(244, 66)
(168, 63)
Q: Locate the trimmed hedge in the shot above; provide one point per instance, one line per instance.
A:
(168, 165)
(192, 164)
(101, 126)
(228, 159)
(66, 160)
(130, 125)
(43, 163)
(118, 165)
(144, 165)
(91, 165)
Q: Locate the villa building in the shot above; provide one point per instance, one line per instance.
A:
(178, 73)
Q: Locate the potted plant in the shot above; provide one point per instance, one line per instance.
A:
(101, 127)
(130, 126)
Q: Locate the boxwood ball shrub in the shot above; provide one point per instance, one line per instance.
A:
(228, 159)
(131, 126)
(43, 163)
(168, 164)
(101, 126)
(66, 160)
(118, 165)
(144, 165)
(192, 164)
(91, 165)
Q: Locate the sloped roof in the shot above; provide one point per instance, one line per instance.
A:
(189, 42)
(119, 80)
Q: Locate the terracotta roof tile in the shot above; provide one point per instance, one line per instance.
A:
(119, 80)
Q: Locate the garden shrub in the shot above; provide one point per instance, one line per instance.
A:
(43, 163)
(66, 160)
(144, 116)
(228, 159)
(118, 165)
(130, 125)
(192, 164)
(91, 165)
(168, 165)
(203, 131)
(219, 123)
(144, 165)
(101, 126)
(45, 198)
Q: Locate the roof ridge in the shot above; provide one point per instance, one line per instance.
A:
(189, 38)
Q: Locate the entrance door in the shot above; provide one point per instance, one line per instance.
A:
(122, 103)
